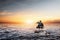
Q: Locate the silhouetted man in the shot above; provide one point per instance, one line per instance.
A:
(40, 25)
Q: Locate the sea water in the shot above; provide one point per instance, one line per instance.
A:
(15, 33)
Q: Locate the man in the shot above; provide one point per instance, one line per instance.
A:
(40, 25)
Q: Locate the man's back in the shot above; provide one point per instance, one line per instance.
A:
(40, 25)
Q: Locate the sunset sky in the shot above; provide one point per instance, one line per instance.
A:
(29, 11)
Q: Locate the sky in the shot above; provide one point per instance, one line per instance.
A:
(29, 10)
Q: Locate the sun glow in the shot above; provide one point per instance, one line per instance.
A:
(29, 21)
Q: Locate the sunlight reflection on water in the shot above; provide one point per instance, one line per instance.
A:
(53, 27)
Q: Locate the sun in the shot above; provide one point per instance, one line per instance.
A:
(29, 21)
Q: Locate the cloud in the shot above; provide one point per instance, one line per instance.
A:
(10, 23)
(22, 5)
(11, 5)
(55, 21)
(7, 3)
(5, 13)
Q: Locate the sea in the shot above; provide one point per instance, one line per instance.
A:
(13, 32)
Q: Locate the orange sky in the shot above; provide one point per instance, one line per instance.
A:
(23, 18)
(27, 19)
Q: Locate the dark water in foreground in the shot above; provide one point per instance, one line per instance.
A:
(12, 33)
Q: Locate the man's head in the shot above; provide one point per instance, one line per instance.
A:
(40, 20)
